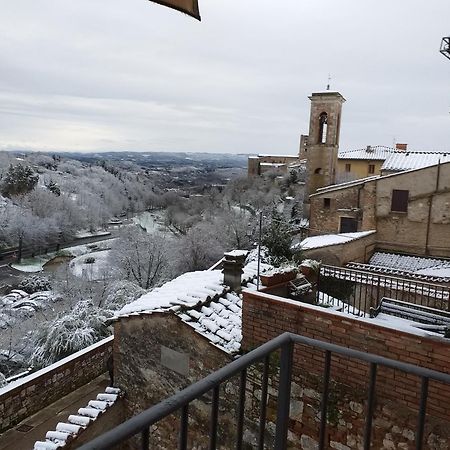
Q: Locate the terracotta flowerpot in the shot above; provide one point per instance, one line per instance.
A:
(277, 278)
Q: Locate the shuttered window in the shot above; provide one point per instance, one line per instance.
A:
(348, 225)
(399, 200)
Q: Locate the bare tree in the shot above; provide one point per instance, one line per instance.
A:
(140, 257)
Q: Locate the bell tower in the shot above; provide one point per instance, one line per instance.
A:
(323, 139)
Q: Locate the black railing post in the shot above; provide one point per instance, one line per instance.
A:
(214, 418)
(145, 438)
(324, 403)
(284, 395)
(182, 440)
(422, 409)
(241, 410)
(370, 406)
(262, 414)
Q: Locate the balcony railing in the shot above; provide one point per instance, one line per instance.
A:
(361, 290)
(140, 424)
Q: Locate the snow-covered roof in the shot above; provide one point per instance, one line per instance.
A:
(261, 155)
(272, 164)
(220, 322)
(400, 161)
(335, 187)
(188, 289)
(202, 301)
(346, 184)
(332, 239)
(374, 153)
(427, 269)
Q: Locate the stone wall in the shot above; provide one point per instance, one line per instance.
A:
(356, 201)
(397, 394)
(24, 397)
(425, 227)
(156, 355)
(322, 156)
(256, 163)
(358, 250)
(422, 230)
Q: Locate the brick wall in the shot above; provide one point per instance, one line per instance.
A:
(26, 396)
(397, 394)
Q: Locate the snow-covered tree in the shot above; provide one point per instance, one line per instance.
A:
(140, 257)
(18, 180)
(34, 283)
(68, 333)
(53, 188)
(200, 248)
(119, 293)
(277, 238)
(18, 226)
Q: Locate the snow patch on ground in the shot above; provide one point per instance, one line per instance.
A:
(81, 267)
(87, 234)
(36, 264)
(150, 222)
(32, 265)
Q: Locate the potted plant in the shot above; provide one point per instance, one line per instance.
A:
(310, 269)
(278, 275)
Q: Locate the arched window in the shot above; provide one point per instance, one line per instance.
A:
(323, 125)
(318, 171)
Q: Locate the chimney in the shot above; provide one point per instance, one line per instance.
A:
(233, 264)
(401, 147)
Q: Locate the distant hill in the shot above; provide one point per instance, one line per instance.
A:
(167, 160)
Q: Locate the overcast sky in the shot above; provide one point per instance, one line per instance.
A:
(132, 75)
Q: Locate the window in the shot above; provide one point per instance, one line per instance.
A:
(348, 225)
(348, 167)
(318, 171)
(323, 126)
(326, 203)
(371, 168)
(399, 200)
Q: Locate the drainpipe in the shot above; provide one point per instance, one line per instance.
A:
(430, 207)
(360, 213)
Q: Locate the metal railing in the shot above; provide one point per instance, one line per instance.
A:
(140, 424)
(356, 291)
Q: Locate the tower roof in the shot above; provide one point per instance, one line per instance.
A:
(330, 94)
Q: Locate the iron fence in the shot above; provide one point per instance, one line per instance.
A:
(356, 291)
(140, 424)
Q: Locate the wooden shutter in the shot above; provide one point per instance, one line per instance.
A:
(399, 200)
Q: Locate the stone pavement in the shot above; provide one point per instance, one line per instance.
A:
(17, 438)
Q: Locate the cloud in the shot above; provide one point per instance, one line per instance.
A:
(137, 76)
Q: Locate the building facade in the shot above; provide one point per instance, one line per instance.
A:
(409, 210)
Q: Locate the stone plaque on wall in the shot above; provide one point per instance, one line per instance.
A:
(176, 361)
